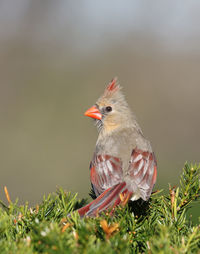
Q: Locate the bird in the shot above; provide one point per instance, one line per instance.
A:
(123, 166)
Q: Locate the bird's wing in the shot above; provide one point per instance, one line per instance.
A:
(106, 176)
(105, 172)
(110, 186)
(142, 172)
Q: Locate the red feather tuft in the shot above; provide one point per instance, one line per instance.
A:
(112, 85)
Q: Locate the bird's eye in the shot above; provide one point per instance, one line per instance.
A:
(108, 109)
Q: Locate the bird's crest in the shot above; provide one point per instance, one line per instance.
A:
(112, 88)
(112, 94)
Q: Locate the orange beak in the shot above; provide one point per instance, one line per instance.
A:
(94, 113)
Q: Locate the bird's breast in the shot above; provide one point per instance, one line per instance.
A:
(119, 145)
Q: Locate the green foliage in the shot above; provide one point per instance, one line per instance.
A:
(157, 226)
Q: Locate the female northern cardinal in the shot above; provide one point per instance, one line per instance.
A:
(123, 165)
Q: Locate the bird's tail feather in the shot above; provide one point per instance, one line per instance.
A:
(108, 199)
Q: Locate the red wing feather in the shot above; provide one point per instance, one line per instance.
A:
(106, 171)
(143, 171)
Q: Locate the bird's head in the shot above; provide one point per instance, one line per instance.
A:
(111, 110)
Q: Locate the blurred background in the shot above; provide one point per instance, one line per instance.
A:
(56, 58)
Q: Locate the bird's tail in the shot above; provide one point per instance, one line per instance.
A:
(110, 198)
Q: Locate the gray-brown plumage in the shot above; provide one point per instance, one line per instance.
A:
(123, 165)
